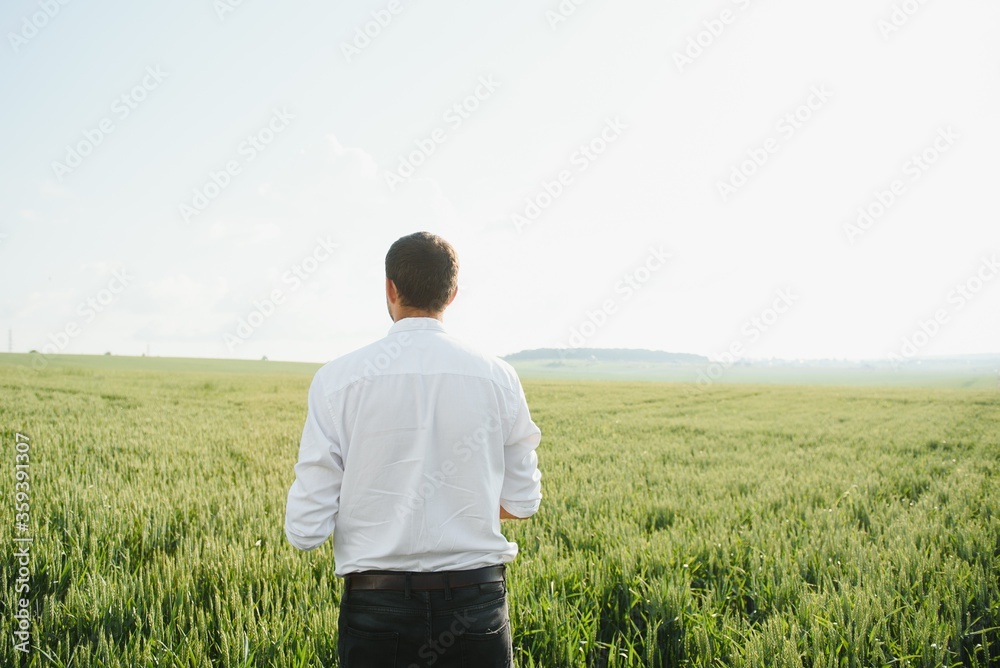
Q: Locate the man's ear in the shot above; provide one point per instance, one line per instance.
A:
(390, 291)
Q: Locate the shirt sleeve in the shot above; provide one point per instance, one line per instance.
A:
(521, 493)
(314, 497)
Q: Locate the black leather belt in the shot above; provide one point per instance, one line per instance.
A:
(397, 581)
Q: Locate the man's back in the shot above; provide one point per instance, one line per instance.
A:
(433, 437)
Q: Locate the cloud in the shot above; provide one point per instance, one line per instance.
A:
(354, 163)
(244, 234)
(178, 306)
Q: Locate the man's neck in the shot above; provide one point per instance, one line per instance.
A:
(417, 313)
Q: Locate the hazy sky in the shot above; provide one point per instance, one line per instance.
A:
(223, 178)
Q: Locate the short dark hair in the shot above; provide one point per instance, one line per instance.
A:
(424, 268)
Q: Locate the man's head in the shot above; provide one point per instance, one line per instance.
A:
(421, 276)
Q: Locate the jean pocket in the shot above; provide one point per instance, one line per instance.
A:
(490, 649)
(365, 649)
(495, 588)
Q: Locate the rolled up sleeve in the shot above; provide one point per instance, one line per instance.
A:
(521, 493)
(314, 497)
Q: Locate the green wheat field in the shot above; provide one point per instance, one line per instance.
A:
(734, 525)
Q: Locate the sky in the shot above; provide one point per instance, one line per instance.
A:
(743, 178)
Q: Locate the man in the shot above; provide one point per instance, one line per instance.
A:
(413, 450)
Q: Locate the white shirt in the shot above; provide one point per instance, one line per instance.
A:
(410, 447)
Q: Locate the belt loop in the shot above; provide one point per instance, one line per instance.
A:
(447, 586)
(406, 587)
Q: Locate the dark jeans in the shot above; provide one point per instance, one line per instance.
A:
(385, 629)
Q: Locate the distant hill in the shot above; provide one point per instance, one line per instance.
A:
(966, 371)
(606, 355)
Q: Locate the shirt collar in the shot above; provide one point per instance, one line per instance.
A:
(412, 324)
